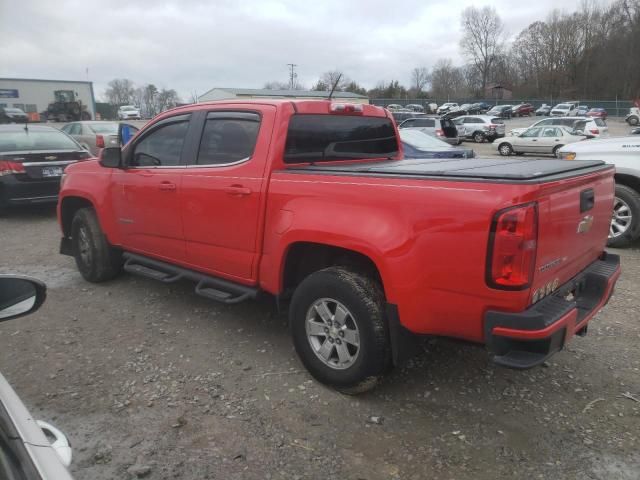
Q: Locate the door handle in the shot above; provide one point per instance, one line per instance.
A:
(237, 190)
(167, 186)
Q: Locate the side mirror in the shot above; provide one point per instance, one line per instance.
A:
(111, 157)
(20, 296)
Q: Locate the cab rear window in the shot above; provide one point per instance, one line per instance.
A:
(324, 138)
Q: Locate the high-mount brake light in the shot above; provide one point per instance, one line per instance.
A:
(513, 243)
(346, 108)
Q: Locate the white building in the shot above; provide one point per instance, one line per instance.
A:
(35, 95)
(258, 93)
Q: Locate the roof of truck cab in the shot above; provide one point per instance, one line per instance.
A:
(299, 106)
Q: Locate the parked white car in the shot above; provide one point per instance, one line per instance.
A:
(624, 153)
(129, 112)
(447, 107)
(538, 140)
(564, 110)
(594, 127)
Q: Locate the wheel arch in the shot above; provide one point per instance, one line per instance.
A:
(301, 258)
(68, 208)
(627, 180)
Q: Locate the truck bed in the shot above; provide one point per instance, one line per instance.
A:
(513, 170)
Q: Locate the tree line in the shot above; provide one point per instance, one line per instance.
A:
(591, 53)
(122, 91)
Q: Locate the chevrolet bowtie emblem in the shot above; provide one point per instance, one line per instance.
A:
(585, 224)
(50, 157)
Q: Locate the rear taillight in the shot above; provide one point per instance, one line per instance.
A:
(512, 248)
(10, 168)
(99, 141)
(440, 132)
(595, 131)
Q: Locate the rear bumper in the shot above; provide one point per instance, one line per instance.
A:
(15, 192)
(527, 339)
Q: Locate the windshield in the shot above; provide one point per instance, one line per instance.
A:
(563, 106)
(109, 128)
(21, 140)
(127, 108)
(422, 141)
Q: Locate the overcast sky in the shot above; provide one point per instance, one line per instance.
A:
(195, 45)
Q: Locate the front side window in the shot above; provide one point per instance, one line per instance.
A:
(162, 147)
(324, 138)
(549, 132)
(228, 140)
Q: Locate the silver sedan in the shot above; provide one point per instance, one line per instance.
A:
(93, 135)
(538, 140)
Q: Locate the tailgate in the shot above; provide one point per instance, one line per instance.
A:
(574, 219)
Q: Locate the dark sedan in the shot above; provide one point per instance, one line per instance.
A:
(417, 144)
(32, 160)
(12, 115)
(501, 111)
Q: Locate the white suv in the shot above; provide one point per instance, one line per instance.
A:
(564, 110)
(592, 126)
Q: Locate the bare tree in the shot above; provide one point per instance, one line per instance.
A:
(419, 78)
(166, 99)
(446, 80)
(149, 100)
(483, 38)
(331, 77)
(120, 91)
(275, 85)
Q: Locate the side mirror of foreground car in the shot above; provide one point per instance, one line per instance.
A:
(20, 296)
(111, 157)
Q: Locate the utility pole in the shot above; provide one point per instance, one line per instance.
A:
(292, 74)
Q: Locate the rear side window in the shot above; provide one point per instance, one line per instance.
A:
(23, 140)
(600, 122)
(424, 123)
(317, 138)
(162, 147)
(228, 138)
(497, 120)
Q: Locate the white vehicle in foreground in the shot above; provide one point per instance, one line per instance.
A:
(564, 110)
(624, 153)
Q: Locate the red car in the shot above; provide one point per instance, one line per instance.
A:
(523, 110)
(597, 113)
(312, 204)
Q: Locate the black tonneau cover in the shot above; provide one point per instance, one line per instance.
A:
(471, 168)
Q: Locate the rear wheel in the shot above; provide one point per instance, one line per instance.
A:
(625, 222)
(338, 323)
(478, 137)
(97, 261)
(505, 149)
(633, 120)
(555, 152)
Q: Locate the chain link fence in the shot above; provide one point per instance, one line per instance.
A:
(615, 108)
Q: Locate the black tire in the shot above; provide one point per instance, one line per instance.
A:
(97, 261)
(505, 149)
(632, 199)
(555, 150)
(633, 121)
(364, 299)
(479, 137)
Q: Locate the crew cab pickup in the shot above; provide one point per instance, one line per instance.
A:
(312, 203)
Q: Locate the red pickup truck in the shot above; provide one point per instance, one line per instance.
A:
(312, 203)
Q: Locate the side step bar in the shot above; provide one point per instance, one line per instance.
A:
(207, 286)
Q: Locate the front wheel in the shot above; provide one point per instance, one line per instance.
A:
(339, 328)
(625, 222)
(96, 260)
(505, 149)
(633, 120)
(478, 137)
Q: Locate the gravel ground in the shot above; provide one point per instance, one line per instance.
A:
(152, 381)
